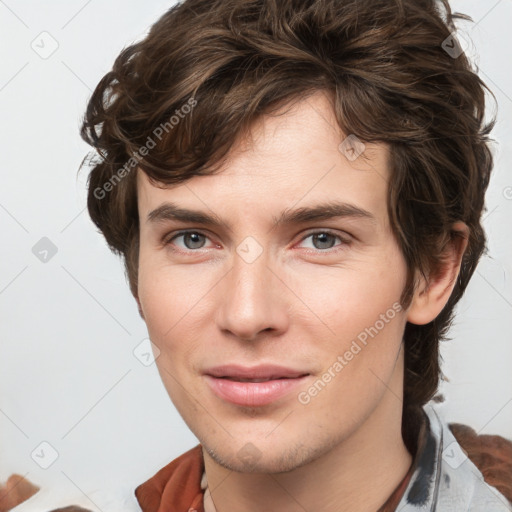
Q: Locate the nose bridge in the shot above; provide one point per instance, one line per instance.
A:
(249, 282)
(248, 302)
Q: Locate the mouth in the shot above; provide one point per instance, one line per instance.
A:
(240, 379)
(253, 387)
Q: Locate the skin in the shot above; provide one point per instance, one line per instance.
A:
(301, 303)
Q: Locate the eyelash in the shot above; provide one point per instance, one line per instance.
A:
(344, 241)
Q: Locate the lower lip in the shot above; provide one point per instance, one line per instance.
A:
(253, 394)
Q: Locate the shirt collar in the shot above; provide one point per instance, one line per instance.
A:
(444, 477)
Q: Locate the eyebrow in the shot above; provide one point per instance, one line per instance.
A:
(169, 211)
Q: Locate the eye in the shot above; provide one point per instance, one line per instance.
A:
(191, 239)
(322, 240)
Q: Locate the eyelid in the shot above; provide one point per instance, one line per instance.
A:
(346, 239)
(314, 231)
(167, 239)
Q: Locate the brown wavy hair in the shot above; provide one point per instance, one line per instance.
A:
(384, 65)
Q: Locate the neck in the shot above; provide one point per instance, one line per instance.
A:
(359, 474)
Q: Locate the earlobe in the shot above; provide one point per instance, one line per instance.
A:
(432, 295)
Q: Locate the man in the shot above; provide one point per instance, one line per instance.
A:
(296, 188)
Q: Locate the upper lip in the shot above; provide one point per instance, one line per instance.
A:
(264, 371)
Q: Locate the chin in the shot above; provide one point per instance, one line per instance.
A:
(249, 459)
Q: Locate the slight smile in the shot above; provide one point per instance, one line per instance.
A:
(253, 386)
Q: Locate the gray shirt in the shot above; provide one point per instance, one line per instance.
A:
(445, 479)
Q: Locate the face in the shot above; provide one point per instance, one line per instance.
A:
(308, 305)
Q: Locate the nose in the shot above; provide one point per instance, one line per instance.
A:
(252, 301)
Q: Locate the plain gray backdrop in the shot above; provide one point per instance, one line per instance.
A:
(69, 325)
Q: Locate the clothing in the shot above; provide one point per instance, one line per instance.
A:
(441, 477)
(389, 505)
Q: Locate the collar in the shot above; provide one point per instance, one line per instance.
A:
(445, 479)
(442, 478)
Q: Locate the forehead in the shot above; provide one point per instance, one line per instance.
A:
(299, 156)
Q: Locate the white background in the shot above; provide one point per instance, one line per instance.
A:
(69, 326)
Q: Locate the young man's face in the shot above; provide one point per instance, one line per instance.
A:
(318, 299)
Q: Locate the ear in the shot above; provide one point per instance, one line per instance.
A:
(431, 295)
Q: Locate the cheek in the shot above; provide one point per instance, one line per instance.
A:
(156, 301)
(356, 300)
(164, 292)
(365, 319)
(172, 299)
(159, 300)
(165, 311)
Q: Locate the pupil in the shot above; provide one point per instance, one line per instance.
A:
(192, 235)
(323, 236)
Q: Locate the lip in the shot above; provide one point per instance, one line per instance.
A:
(262, 371)
(280, 382)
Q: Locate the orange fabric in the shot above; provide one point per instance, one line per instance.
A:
(177, 486)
